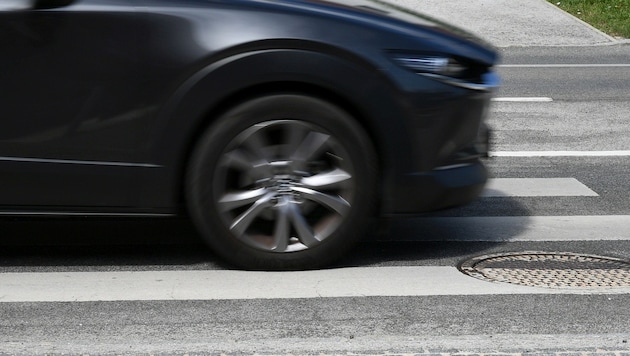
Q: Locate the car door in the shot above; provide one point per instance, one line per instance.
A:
(71, 108)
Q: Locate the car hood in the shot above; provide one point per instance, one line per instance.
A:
(386, 13)
(383, 9)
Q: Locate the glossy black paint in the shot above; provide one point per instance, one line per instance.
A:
(102, 100)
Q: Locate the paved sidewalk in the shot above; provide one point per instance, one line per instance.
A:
(513, 23)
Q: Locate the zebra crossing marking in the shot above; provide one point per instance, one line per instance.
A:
(614, 153)
(231, 285)
(513, 228)
(536, 187)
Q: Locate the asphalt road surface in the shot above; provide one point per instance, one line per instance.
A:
(559, 198)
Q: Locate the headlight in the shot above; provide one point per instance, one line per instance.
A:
(431, 64)
(449, 70)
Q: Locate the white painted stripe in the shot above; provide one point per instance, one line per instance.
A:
(567, 65)
(222, 284)
(536, 187)
(524, 99)
(513, 228)
(620, 153)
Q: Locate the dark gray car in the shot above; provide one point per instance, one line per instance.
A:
(279, 127)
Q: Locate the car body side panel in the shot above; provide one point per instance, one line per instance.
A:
(72, 104)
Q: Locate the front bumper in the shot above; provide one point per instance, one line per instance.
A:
(445, 138)
(459, 181)
(440, 188)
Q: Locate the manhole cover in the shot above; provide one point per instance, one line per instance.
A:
(551, 270)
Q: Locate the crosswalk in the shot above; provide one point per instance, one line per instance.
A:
(400, 307)
(86, 286)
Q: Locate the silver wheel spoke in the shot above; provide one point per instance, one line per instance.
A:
(294, 136)
(281, 230)
(304, 231)
(235, 200)
(336, 203)
(256, 145)
(326, 180)
(242, 222)
(253, 168)
(312, 144)
(237, 159)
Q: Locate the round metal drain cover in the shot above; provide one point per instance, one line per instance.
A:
(550, 269)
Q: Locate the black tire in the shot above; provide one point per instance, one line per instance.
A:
(282, 182)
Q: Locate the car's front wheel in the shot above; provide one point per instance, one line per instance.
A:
(282, 182)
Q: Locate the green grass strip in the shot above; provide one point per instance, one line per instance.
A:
(609, 16)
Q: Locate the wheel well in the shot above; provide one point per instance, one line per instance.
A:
(270, 89)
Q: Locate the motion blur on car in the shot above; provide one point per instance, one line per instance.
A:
(280, 127)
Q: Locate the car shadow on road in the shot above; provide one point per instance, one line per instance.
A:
(102, 244)
(445, 237)
(440, 238)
